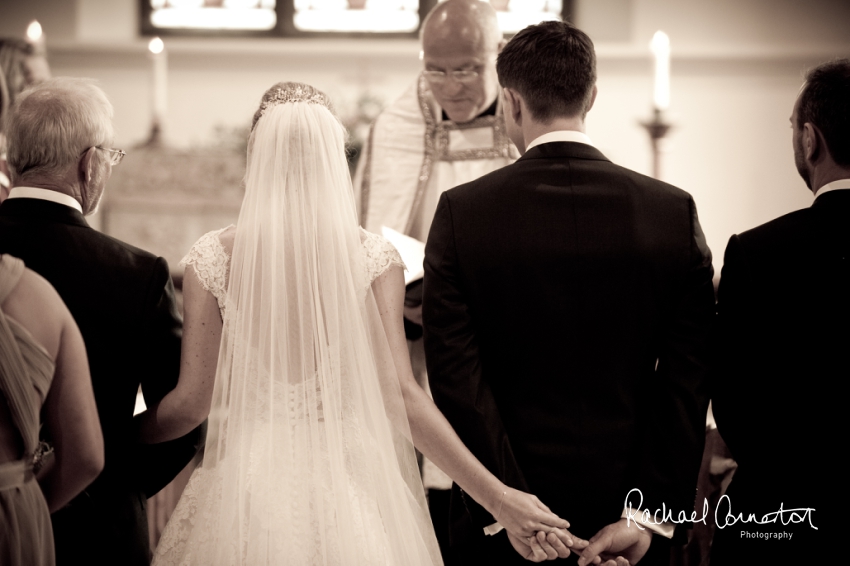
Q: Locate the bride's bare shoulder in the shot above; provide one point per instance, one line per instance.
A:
(226, 237)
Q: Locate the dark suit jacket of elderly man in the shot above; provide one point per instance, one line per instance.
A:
(122, 298)
(567, 307)
(784, 350)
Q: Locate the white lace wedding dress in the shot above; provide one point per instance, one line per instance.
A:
(288, 489)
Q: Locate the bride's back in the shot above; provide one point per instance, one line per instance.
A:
(307, 438)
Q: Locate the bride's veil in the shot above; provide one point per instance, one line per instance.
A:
(308, 447)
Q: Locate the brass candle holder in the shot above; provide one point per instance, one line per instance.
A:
(657, 129)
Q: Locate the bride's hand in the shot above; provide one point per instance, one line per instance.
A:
(528, 548)
(522, 514)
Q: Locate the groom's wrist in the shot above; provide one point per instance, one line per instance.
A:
(664, 529)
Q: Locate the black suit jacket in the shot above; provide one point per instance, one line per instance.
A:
(122, 298)
(784, 347)
(567, 306)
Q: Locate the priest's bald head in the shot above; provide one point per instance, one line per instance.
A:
(460, 42)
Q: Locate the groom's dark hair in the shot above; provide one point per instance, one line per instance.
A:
(553, 66)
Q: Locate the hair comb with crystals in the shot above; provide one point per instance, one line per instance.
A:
(293, 92)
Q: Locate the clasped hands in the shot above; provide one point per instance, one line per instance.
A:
(537, 535)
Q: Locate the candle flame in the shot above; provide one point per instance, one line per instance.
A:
(34, 31)
(660, 41)
(156, 46)
(660, 46)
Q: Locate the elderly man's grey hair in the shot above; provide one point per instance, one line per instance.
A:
(53, 123)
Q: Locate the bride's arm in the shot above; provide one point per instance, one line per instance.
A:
(188, 404)
(520, 513)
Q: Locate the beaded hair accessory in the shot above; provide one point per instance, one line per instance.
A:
(295, 93)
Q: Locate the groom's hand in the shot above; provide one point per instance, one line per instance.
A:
(618, 544)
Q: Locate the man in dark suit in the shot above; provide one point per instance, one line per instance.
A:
(567, 307)
(121, 297)
(783, 335)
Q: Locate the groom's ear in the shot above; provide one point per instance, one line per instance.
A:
(812, 142)
(592, 99)
(513, 104)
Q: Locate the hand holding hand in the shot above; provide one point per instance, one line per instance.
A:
(618, 544)
(542, 546)
(522, 514)
(563, 538)
(528, 548)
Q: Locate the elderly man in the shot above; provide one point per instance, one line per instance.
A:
(784, 315)
(446, 129)
(122, 298)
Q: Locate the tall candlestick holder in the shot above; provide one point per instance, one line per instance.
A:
(159, 99)
(657, 129)
(155, 136)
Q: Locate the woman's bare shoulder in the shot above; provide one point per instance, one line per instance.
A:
(36, 305)
(227, 237)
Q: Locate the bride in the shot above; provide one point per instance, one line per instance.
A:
(293, 345)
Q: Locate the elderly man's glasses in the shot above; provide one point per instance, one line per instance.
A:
(115, 155)
(438, 77)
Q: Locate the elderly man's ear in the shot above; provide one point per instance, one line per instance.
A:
(86, 164)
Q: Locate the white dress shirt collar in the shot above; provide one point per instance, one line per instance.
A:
(45, 194)
(560, 136)
(833, 186)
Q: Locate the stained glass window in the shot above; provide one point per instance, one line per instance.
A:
(397, 18)
(369, 16)
(516, 14)
(211, 15)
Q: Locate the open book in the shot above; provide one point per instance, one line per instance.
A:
(412, 253)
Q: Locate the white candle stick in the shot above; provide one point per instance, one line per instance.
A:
(160, 79)
(660, 47)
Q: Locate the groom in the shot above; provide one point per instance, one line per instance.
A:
(567, 304)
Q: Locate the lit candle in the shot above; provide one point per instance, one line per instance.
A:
(660, 47)
(160, 79)
(35, 37)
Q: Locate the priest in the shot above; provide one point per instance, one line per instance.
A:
(447, 129)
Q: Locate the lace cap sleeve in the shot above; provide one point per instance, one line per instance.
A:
(380, 255)
(210, 261)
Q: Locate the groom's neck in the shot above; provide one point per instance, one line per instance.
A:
(533, 129)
